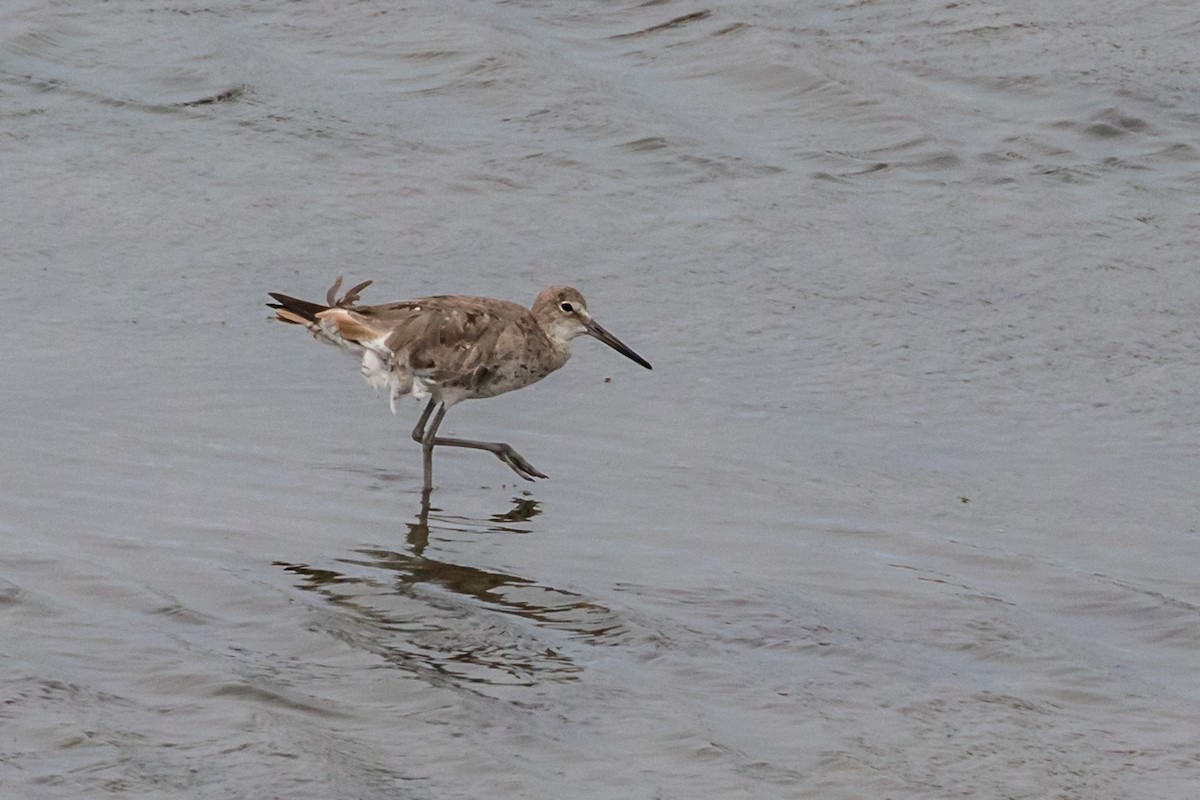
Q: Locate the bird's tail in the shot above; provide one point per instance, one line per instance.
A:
(301, 312)
(295, 311)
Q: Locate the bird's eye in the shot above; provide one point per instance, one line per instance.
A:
(567, 307)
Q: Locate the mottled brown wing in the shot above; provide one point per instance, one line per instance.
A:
(456, 340)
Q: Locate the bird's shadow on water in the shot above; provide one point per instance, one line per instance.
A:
(453, 623)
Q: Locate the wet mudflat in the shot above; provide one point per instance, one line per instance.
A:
(906, 508)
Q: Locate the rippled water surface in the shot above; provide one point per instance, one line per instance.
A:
(906, 509)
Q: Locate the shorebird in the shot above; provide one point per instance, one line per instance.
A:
(451, 348)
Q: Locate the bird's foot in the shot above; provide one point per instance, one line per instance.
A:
(517, 463)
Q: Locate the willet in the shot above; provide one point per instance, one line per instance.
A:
(451, 348)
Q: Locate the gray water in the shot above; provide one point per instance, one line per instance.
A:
(906, 509)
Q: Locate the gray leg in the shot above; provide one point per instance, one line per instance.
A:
(418, 431)
(428, 441)
(418, 435)
(502, 451)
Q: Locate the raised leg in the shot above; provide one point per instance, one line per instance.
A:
(430, 439)
(501, 450)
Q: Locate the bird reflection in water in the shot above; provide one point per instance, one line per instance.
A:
(453, 622)
(523, 510)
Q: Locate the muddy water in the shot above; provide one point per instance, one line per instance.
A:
(906, 509)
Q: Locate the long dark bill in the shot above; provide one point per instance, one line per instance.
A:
(595, 329)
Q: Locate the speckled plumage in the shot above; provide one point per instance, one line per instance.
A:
(452, 348)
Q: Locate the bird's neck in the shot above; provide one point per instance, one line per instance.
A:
(560, 351)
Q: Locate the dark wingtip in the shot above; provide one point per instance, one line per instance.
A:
(302, 307)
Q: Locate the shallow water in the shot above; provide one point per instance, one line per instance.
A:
(906, 508)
